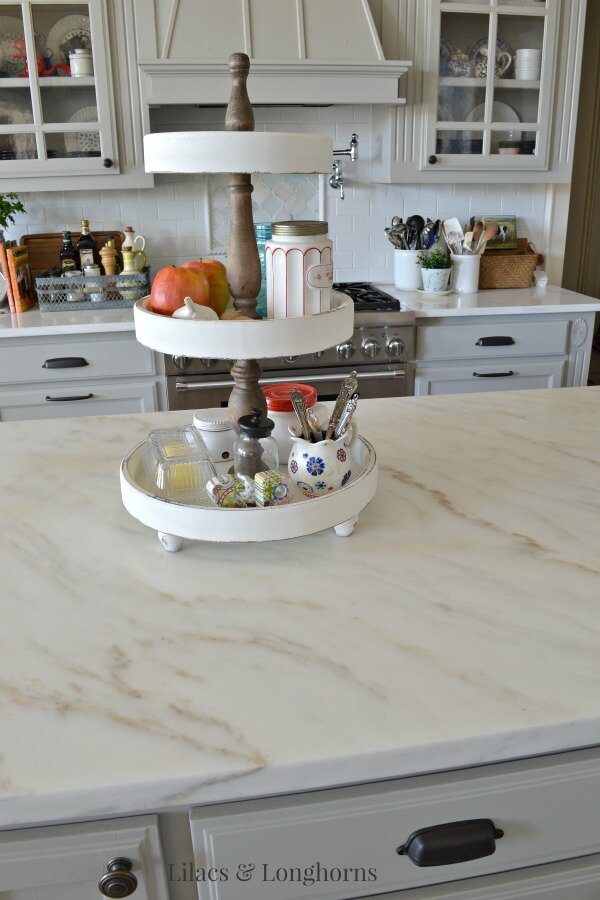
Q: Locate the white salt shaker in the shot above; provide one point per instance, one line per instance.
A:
(299, 269)
(218, 434)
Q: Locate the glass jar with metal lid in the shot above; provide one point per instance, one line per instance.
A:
(299, 269)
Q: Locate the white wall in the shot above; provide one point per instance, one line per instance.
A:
(182, 215)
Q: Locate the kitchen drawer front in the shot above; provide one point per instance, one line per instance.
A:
(485, 341)
(89, 399)
(46, 359)
(548, 809)
(502, 375)
(575, 879)
(65, 862)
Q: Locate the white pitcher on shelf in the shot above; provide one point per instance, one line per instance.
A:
(136, 244)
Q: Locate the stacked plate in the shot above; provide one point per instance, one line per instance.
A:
(528, 66)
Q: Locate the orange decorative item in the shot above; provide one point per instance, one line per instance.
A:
(172, 284)
(42, 68)
(216, 275)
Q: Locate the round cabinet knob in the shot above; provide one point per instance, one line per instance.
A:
(346, 350)
(432, 160)
(181, 362)
(371, 347)
(206, 362)
(118, 880)
(395, 347)
(107, 163)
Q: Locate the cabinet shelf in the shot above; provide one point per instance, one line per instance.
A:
(499, 83)
(67, 82)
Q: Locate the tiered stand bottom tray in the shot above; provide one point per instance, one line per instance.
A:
(175, 521)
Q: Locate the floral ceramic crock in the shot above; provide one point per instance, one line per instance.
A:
(320, 468)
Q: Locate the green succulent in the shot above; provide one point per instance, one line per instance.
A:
(434, 259)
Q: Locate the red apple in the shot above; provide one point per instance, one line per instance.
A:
(216, 274)
(172, 284)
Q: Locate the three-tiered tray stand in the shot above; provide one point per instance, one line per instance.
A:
(245, 340)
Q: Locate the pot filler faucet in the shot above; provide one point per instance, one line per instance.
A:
(336, 179)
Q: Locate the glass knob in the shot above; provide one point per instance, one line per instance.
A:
(118, 880)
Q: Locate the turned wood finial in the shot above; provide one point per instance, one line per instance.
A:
(239, 115)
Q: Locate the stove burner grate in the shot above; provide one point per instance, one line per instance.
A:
(366, 297)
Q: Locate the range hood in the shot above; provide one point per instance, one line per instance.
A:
(302, 52)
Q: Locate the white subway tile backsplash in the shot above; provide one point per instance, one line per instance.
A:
(140, 210)
(175, 209)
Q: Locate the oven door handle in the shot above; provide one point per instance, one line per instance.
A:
(183, 386)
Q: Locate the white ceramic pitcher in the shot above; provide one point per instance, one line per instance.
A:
(323, 467)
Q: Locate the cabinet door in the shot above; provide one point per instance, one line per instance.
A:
(87, 399)
(502, 375)
(54, 121)
(67, 862)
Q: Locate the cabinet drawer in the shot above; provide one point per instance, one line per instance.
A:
(85, 399)
(490, 341)
(65, 862)
(503, 375)
(548, 809)
(52, 360)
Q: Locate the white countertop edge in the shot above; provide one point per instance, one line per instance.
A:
(114, 799)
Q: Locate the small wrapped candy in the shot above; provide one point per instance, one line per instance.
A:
(272, 488)
(226, 491)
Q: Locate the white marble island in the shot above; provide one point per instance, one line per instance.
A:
(458, 626)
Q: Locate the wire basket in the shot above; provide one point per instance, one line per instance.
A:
(509, 268)
(92, 291)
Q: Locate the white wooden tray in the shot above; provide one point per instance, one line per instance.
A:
(240, 339)
(174, 521)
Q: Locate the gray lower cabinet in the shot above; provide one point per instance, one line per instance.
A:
(87, 374)
(500, 353)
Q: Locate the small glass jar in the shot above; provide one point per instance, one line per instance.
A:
(255, 450)
(262, 230)
(299, 269)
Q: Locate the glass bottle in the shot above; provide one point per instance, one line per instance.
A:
(263, 233)
(69, 260)
(86, 246)
(255, 450)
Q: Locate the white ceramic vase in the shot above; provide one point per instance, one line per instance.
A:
(407, 276)
(435, 280)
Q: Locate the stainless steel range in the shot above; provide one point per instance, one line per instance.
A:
(381, 351)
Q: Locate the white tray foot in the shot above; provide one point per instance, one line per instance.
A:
(345, 529)
(170, 542)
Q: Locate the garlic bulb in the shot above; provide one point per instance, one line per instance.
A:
(191, 310)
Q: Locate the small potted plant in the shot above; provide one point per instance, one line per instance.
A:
(9, 206)
(435, 270)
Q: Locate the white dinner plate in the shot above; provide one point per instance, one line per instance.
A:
(11, 28)
(501, 112)
(83, 140)
(66, 28)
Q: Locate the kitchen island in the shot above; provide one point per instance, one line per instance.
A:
(458, 627)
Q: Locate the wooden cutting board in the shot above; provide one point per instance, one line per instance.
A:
(44, 248)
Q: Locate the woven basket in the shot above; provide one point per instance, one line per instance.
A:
(509, 268)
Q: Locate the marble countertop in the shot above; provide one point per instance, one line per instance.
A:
(34, 322)
(550, 299)
(458, 625)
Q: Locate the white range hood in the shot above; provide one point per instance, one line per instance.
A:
(302, 52)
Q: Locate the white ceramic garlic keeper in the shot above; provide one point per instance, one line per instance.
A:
(407, 274)
(299, 269)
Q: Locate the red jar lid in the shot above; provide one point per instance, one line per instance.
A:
(278, 395)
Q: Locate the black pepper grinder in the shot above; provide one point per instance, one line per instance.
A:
(255, 450)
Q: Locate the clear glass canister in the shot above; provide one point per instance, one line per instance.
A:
(255, 450)
(262, 230)
(299, 269)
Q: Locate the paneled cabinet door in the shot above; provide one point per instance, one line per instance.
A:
(54, 120)
(67, 862)
(476, 114)
(501, 375)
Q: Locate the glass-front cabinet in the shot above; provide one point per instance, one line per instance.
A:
(493, 90)
(56, 112)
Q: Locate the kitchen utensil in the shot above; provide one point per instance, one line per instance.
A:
(67, 34)
(299, 405)
(477, 232)
(345, 418)
(315, 426)
(490, 232)
(454, 235)
(393, 239)
(467, 241)
(413, 239)
(348, 388)
(397, 221)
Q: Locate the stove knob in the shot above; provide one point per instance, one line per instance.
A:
(395, 347)
(371, 347)
(346, 350)
(208, 363)
(181, 362)
(290, 359)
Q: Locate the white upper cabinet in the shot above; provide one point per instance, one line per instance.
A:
(471, 117)
(58, 129)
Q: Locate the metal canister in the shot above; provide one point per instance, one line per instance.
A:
(299, 269)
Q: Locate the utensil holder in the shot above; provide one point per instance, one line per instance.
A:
(465, 273)
(407, 274)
